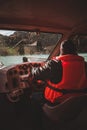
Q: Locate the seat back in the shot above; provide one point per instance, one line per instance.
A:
(68, 109)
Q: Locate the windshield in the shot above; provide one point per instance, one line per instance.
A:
(14, 45)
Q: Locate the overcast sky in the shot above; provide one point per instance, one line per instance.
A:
(6, 32)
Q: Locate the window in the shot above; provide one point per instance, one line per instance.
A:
(14, 45)
(81, 43)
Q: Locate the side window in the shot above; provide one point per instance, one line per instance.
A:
(81, 43)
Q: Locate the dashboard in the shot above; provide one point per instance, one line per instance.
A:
(15, 78)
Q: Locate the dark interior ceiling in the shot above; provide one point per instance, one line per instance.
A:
(44, 15)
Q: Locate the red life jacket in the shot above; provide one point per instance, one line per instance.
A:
(74, 76)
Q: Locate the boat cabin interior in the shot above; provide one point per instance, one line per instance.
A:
(35, 29)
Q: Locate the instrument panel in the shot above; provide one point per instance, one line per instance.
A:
(15, 78)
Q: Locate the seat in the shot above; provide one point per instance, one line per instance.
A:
(67, 110)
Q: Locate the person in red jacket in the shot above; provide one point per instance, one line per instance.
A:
(64, 72)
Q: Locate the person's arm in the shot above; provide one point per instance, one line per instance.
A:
(51, 70)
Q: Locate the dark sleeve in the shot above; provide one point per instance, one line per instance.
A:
(51, 70)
